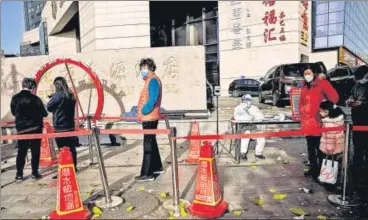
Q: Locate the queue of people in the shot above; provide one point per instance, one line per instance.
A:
(29, 112)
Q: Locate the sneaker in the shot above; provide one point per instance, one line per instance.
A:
(36, 176)
(159, 172)
(244, 157)
(55, 177)
(18, 179)
(261, 157)
(145, 179)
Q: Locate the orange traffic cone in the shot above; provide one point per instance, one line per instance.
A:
(194, 145)
(69, 204)
(48, 154)
(207, 201)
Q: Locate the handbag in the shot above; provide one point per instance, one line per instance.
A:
(329, 171)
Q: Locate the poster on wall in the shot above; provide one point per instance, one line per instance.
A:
(294, 100)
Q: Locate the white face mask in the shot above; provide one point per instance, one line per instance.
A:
(308, 78)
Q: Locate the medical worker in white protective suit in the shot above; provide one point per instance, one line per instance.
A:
(245, 111)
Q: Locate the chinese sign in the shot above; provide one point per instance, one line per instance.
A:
(203, 189)
(294, 100)
(236, 24)
(348, 58)
(271, 19)
(305, 27)
(69, 197)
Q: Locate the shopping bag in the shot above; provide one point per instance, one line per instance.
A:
(329, 171)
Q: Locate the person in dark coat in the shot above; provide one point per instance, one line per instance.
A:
(358, 102)
(29, 112)
(62, 105)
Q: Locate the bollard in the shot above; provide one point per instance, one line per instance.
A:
(168, 127)
(90, 148)
(341, 200)
(109, 201)
(174, 166)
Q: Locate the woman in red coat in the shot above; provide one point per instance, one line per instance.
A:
(314, 91)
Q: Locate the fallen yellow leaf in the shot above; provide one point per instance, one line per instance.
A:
(271, 190)
(182, 204)
(142, 188)
(130, 208)
(254, 167)
(279, 196)
(171, 213)
(237, 213)
(95, 216)
(258, 201)
(298, 211)
(96, 210)
(95, 185)
(163, 195)
(183, 213)
(321, 217)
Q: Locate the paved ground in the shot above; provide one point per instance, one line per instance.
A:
(240, 183)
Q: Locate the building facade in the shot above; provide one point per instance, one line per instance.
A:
(241, 38)
(340, 31)
(32, 20)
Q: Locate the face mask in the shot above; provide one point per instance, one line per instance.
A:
(308, 78)
(144, 73)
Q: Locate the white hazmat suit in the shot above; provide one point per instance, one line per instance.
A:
(245, 111)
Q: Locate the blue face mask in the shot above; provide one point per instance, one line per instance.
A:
(144, 73)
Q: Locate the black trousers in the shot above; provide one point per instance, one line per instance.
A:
(70, 142)
(23, 146)
(151, 154)
(360, 166)
(315, 156)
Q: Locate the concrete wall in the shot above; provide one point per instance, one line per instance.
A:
(32, 36)
(112, 25)
(243, 51)
(329, 58)
(183, 77)
(63, 43)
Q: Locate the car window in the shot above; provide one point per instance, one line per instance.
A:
(277, 72)
(297, 70)
(242, 81)
(342, 72)
(269, 73)
(253, 82)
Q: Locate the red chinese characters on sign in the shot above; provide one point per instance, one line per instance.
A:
(270, 17)
(203, 188)
(69, 195)
(282, 24)
(305, 15)
(268, 35)
(269, 2)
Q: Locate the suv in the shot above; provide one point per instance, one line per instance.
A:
(342, 79)
(241, 87)
(278, 81)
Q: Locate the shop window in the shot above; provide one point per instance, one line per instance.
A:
(336, 29)
(336, 17)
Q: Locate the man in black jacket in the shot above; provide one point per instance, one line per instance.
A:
(358, 102)
(29, 112)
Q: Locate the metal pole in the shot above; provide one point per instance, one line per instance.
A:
(345, 162)
(90, 148)
(173, 32)
(204, 25)
(187, 31)
(174, 164)
(217, 124)
(100, 160)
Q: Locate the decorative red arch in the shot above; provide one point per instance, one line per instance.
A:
(94, 77)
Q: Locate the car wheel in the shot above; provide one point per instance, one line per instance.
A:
(235, 93)
(275, 99)
(260, 98)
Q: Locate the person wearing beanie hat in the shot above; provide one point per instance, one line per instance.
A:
(245, 111)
